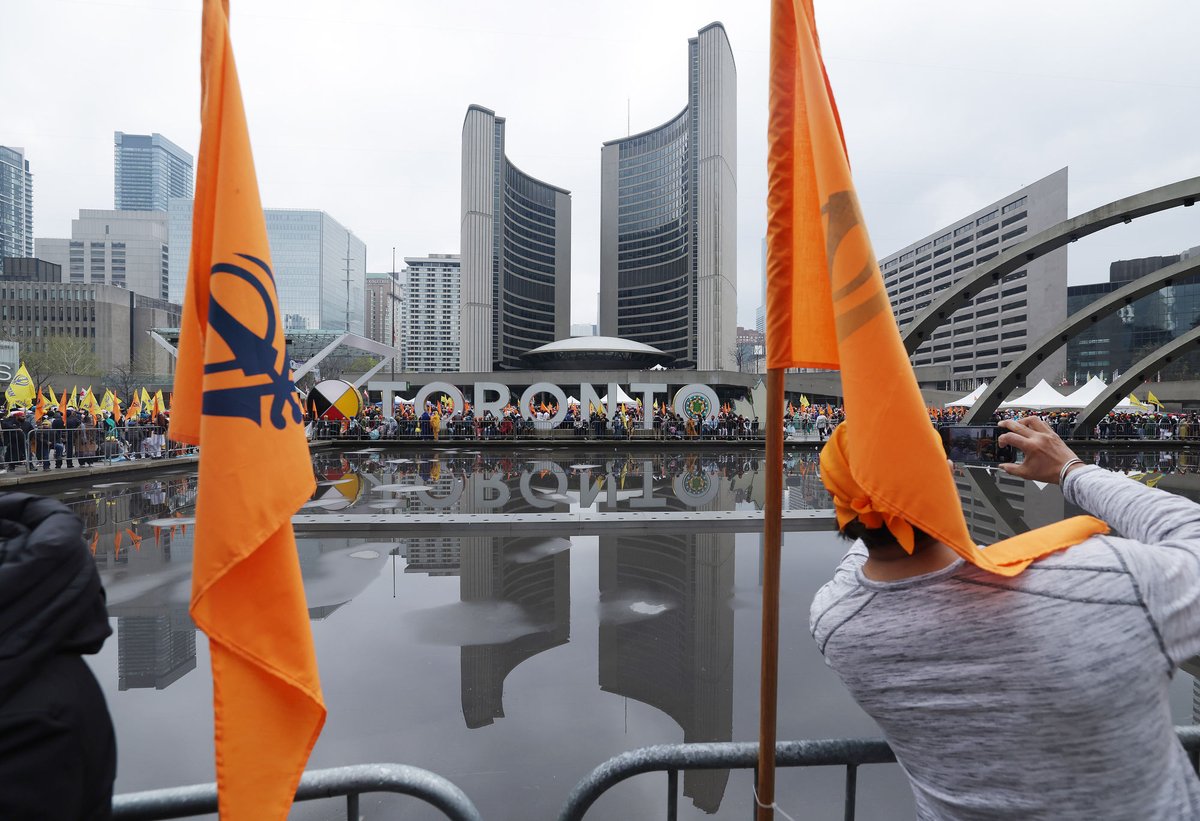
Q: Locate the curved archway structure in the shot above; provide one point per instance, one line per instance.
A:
(1128, 209)
(1136, 375)
(1017, 371)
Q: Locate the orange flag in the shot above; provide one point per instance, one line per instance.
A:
(826, 304)
(135, 406)
(234, 398)
(827, 308)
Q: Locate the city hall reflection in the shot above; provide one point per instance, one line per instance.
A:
(666, 636)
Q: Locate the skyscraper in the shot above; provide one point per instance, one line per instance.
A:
(980, 339)
(123, 248)
(16, 204)
(516, 253)
(320, 266)
(149, 170)
(429, 314)
(668, 220)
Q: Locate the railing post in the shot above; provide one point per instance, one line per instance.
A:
(672, 795)
(851, 790)
(352, 807)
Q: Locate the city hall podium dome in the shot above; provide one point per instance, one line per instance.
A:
(596, 353)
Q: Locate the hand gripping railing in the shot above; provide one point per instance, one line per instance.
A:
(351, 782)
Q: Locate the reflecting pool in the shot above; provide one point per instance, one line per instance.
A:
(515, 664)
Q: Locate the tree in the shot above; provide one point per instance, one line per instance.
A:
(123, 379)
(64, 356)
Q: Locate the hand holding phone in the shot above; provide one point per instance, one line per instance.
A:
(975, 445)
(1045, 453)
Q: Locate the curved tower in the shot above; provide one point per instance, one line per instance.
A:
(668, 220)
(516, 253)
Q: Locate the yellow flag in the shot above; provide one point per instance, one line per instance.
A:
(20, 390)
(106, 403)
(160, 404)
(1153, 400)
(145, 400)
(53, 398)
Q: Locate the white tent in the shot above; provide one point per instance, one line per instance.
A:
(622, 397)
(571, 400)
(968, 400)
(1040, 397)
(1086, 394)
(659, 368)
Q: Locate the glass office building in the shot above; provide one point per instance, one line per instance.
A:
(516, 253)
(149, 171)
(320, 266)
(1112, 345)
(668, 220)
(16, 205)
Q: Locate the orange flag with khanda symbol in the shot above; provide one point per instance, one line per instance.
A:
(827, 308)
(234, 398)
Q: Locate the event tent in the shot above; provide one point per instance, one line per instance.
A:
(622, 397)
(968, 400)
(1086, 394)
(1040, 397)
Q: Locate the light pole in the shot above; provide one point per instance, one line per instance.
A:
(392, 311)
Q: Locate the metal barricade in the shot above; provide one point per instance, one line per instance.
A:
(729, 755)
(349, 782)
(50, 448)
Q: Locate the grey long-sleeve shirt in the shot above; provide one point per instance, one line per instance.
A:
(1043, 696)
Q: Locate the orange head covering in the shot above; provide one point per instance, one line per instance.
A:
(1007, 558)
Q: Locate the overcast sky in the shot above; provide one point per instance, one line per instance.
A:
(356, 106)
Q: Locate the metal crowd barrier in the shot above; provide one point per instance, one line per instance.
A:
(351, 782)
(49, 448)
(412, 430)
(337, 782)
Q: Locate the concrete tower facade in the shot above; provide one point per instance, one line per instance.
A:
(516, 253)
(668, 220)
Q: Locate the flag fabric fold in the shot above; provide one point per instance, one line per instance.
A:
(827, 308)
(233, 396)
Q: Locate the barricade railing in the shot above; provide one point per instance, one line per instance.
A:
(50, 448)
(729, 755)
(513, 430)
(337, 782)
(354, 781)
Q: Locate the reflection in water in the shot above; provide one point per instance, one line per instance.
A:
(666, 637)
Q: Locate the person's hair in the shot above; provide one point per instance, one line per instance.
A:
(880, 537)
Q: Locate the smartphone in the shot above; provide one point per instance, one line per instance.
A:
(975, 445)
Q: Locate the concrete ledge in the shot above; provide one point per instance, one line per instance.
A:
(584, 522)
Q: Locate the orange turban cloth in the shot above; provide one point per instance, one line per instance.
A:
(1006, 558)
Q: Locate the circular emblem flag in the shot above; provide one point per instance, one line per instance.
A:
(697, 406)
(335, 399)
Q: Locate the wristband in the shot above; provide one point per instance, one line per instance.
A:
(1062, 474)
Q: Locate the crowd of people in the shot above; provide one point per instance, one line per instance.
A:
(64, 437)
(441, 421)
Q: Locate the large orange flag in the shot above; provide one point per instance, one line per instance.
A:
(827, 308)
(826, 304)
(234, 398)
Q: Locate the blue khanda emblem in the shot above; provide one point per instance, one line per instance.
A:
(253, 355)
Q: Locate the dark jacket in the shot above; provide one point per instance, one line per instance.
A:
(57, 750)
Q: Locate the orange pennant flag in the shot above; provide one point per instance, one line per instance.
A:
(827, 308)
(234, 398)
(826, 304)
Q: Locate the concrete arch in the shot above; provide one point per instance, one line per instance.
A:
(1016, 372)
(1136, 375)
(1128, 209)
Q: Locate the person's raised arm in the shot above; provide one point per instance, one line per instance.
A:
(1138, 512)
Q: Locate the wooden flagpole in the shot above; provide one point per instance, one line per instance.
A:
(772, 536)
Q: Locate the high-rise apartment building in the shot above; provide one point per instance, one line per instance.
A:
(668, 220)
(381, 314)
(430, 312)
(128, 249)
(980, 339)
(320, 266)
(16, 204)
(516, 252)
(149, 170)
